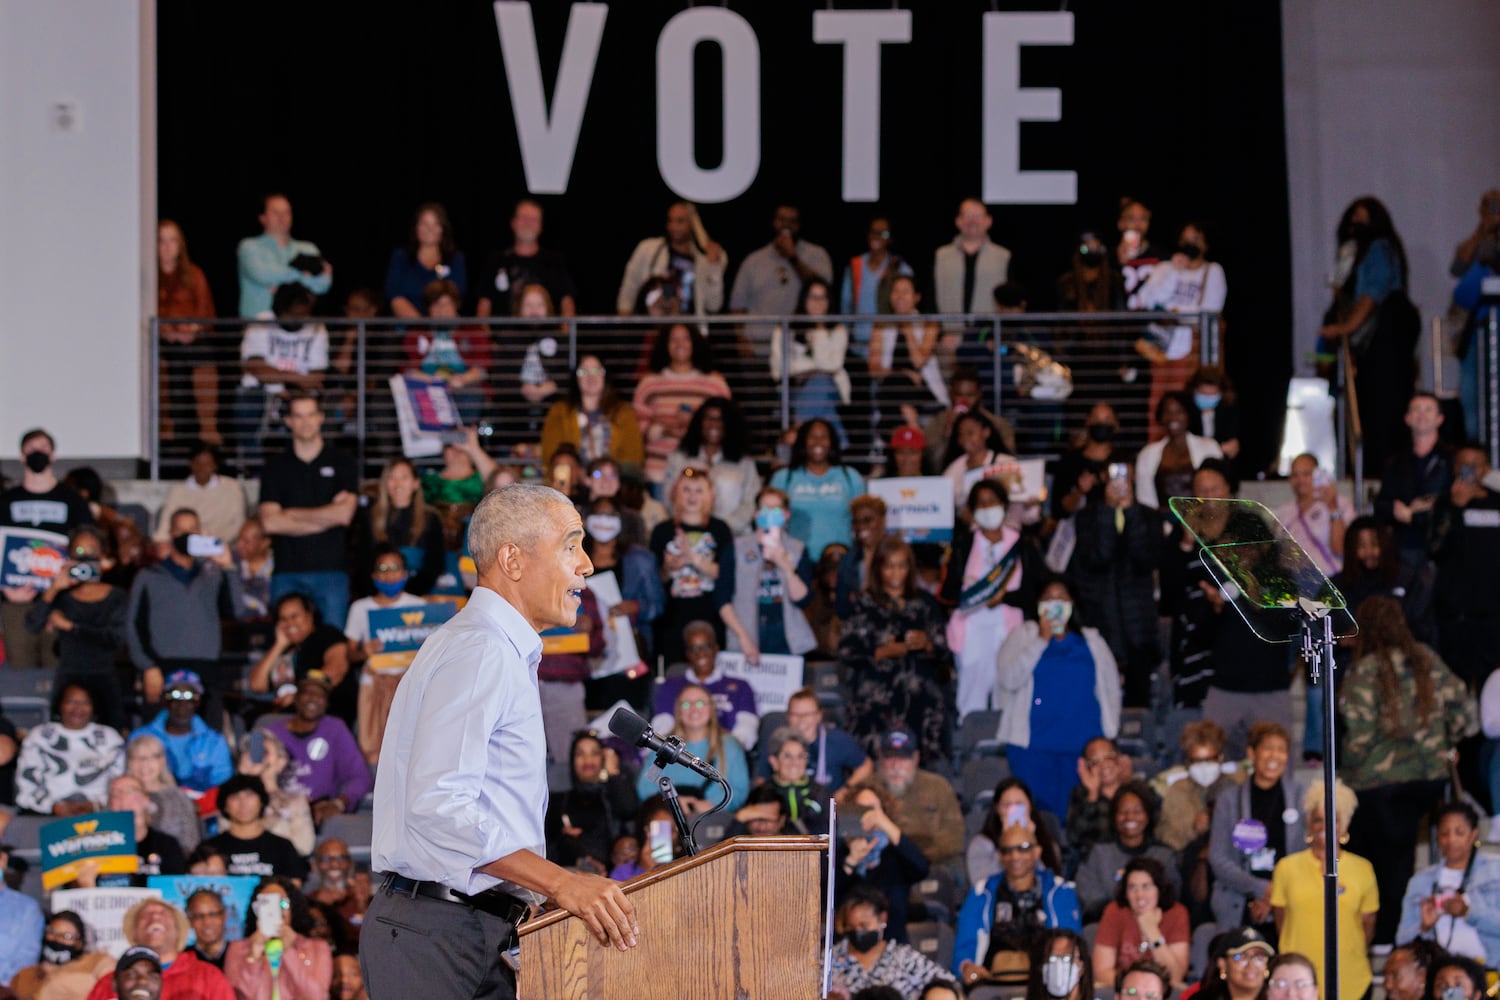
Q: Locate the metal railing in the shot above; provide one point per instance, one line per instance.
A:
(193, 390)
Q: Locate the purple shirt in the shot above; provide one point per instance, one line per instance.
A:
(326, 762)
(731, 697)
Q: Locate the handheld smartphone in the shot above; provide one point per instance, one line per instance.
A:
(1016, 814)
(204, 546)
(255, 747)
(1119, 471)
(1467, 474)
(851, 825)
(660, 839)
(770, 541)
(1322, 479)
(84, 571)
(562, 478)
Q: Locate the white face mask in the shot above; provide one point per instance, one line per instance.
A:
(989, 518)
(1055, 615)
(603, 527)
(1060, 975)
(1204, 772)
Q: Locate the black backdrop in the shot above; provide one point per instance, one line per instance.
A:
(361, 110)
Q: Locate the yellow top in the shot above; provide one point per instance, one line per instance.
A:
(1297, 886)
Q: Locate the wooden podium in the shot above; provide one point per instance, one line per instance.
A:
(743, 919)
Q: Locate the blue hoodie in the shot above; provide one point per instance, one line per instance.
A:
(199, 760)
(972, 940)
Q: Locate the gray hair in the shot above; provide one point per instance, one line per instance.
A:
(699, 625)
(516, 515)
(781, 737)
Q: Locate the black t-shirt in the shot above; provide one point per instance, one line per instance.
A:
(159, 854)
(343, 700)
(1268, 805)
(265, 855)
(8, 771)
(58, 510)
(1017, 921)
(291, 482)
(505, 274)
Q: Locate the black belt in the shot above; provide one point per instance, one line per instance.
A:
(492, 901)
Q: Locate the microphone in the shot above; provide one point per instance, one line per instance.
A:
(638, 732)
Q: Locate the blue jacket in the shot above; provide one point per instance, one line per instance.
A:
(200, 760)
(972, 940)
(1482, 890)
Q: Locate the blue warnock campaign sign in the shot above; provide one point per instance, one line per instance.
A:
(401, 631)
(106, 838)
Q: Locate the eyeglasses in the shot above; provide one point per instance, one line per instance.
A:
(1293, 984)
(884, 234)
(1131, 991)
(329, 859)
(69, 937)
(83, 553)
(1020, 848)
(181, 695)
(1257, 958)
(591, 370)
(693, 703)
(205, 914)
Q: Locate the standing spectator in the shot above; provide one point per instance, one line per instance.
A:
(884, 858)
(65, 767)
(1456, 901)
(187, 349)
(819, 383)
(159, 956)
(1215, 407)
(926, 808)
(834, 759)
(24, 927)
(867, 517)
(460, 481)
(696, 723)
(41, 503)
(255, 565)
(865, 957)
(974, 444)
(967, 399)
(401, 518)
(206, 911)
(695, 554)
(1241, 958)
(88, 617)
(1165, 467)
(866, 289)
(734, 700)
(907, 447)
(1297, 897)
(197, 756)
(1405, 970)
(1115, 556)
(1373, 567)
(1372, 314)
(904, 368)
(536, 353)
(251, 850)
(692, 264)
(1188, 805)
(1474, 260)
(1187, 283)
(598, 808)
(1317, 516)
(1134, 812)
(1089, 284)
(716, 439)
(279, 354)
(1143, 920)
(1254, 826)
(773, 582)
(277, 958)
(1136, 256)
(770, 280)
(965, 274)
(175, 612)
(176, 814)
(377, 686)
(273, 259)
(630, 567)
(893, 647)
(1055, 681)
(526, 263)
(430, 255)
(442, 351)
(219, 500)
(1466, 549)
(341, 891)
(307, 499)
(1404, 711)
(158, 853)
(682, 377)
(1414, 480)
(820, 487)
(305, 642)
(593, 419)
(560, 678)
(326, 763)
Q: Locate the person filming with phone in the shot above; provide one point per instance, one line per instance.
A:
(172, 621)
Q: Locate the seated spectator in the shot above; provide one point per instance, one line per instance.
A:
(605, 481)
(401, 517)
(206, 911)
(173, 622)
(276, 958)
(175, 813)
(1456, 901)
(583, 823)
(219, 500)
(157, 933)
(1004, 919)
(197, 756)
(1188, 805)
(305, 643)
(716, 440)
(460, 482)
(348, 979)
(883, 858)
(926, 806)
(64, 767)
(1240, 957)
(906, 448)
(973, 444)
(806, 800)
(21, 918)
(1055, 681)
(88, 617)
(593, 419)
(273, 260)
(764, 814)
(941, 447)
(1133, 810)
(1144, 920)
(67, 969)
(991, 580)
(697, 724)
(445, 352)
(894, 649)
(377, 685)
(903, 359)
(682, 377)
(254, 564)
(772, 584)
(1404, 974)
(1143, 978)
(1292, 977)
(633, 854)
(1064, 970)
(561, 677)
(819, 383)
(535, 356)
(429, 256)
(280, 352)
(821, 610)
(1457, 976)
(1013, 805)
(1102, 769)
(250, 848)
(326, 764)
(820, 487)
(734, 699)
(834, 759)
(1165, 467)
(866, 957)
(867, 521)
(1215, 407)
(695, 554)
(341, 891)
(159, 853)
(622, 563)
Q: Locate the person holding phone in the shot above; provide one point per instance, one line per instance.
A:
(873, 852)
(276, 958)
(1456, 902)
(772, 583)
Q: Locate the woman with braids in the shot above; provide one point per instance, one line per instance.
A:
(1404, 711)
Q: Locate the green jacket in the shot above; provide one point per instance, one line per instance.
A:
(1419, 752)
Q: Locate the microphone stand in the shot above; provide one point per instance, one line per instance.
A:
(668, 754)
(1317, 652)
(669, 792)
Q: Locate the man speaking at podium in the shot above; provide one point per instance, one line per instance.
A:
(458, 848)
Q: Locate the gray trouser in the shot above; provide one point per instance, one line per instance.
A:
(1237, 711)
(413, 946)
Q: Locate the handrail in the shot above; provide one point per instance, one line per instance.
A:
(1354, 437)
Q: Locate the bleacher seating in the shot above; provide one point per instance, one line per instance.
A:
(933, 940)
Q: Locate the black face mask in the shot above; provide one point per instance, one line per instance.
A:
(180, 543)
(863, 941)
(1089, 259)
(38, 461)
(1359, 232)
(290, 325)
(1101, 433)
(1191, 251)
(57, 953)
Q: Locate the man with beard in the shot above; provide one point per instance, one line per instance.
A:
(159, 930)
(928, 810)
(341, 890)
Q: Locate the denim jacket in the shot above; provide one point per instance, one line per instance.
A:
(1482, 890)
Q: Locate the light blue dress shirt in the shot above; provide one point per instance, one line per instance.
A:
(265, 263)
(21, 927)
(463, 773)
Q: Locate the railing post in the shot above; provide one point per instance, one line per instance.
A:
(1208, 347)
(153, 403)
(1490, 372)
(784, 332)
(572, 346)
(997, 365)
(359, 393)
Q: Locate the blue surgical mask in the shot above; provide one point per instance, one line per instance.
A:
(390, 588)
(1205, 401)
(770, 517)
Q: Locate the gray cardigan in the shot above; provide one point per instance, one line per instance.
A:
(1234, 884)
(799, 634)
(167, 620)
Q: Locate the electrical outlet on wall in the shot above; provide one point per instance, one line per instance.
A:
(66, 116)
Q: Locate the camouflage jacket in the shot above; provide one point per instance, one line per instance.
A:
(1372, 755)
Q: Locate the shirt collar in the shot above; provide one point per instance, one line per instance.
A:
(499, 612)
(213, 482)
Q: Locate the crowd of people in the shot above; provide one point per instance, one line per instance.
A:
(216, 674)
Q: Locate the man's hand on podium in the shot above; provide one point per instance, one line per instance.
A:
(600, 903)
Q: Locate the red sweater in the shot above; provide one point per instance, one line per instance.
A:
(187, 978)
